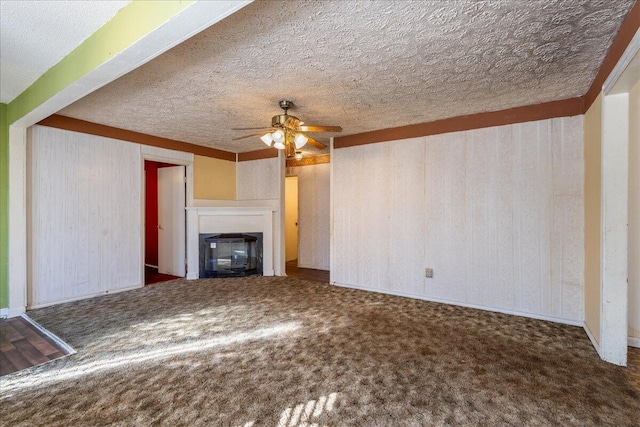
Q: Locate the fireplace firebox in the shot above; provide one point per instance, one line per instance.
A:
(230, 255)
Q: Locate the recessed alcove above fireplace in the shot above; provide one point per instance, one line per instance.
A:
(225, 217)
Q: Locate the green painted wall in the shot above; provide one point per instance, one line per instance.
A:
(4, 207)
(129, 25)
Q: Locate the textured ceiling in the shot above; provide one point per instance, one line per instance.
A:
(360, 65)
(35, 35)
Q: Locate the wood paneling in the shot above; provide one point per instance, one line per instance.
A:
(258, 179)
(547, 110)
(77, 125)
(496, 212)
(84, 219)
(313, 216)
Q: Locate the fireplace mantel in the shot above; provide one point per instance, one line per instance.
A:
(251, 216)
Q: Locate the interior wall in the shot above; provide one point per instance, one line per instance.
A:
(291, 218)
(264, 180)
(151, 213)
(214, 179)
(258, 179)
(313, 215)
(593, 216)
(634, 217)
(84, 216)
(4, 207)
(497, 213)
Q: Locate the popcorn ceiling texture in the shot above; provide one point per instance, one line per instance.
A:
(360, 65)
(56, 28)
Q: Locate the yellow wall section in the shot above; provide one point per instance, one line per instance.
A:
(592, 217)
(634, 213)
(214, 179)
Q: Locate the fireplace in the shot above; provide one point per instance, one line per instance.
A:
(249, 217)
(230, 255)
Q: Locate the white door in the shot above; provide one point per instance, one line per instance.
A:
(171, 221)
(291, 218)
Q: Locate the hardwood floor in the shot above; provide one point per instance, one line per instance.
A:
(633, 367)
(306, 273)
(22, 346)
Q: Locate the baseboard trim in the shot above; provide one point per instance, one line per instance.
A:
(99, 294)
(633, 342)
(50, 334)
(592, 338)
(7, 313)
(461, 304)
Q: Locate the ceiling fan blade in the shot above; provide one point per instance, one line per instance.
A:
(315, 143)
(247, 128)
(247, 136)
(310, 128)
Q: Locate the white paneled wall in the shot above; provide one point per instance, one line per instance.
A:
(264, 180)
(85, 207)
(313, 215)
(258, 179)
(496, 212)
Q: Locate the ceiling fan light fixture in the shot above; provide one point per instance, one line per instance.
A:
(267, 139)
(279, 145)
(298, 155)
(300, 140)
(278, 137)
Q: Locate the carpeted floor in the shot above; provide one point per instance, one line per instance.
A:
(281, 351)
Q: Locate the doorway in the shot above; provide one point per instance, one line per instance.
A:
(291, 218)
(165, 227)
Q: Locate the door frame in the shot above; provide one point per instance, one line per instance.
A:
(173, 157)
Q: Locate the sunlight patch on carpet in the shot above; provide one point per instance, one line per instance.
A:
(301, 414)
(140, 356)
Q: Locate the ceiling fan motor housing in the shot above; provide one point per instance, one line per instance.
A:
(280, 120)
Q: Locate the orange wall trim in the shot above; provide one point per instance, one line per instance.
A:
(547, 110)
(76, 125)
(627, 30)
(267, 153)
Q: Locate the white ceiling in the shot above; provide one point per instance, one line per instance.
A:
(35, 35)
(360, 65)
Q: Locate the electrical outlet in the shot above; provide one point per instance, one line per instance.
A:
(428, 273)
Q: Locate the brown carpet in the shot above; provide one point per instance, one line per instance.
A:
(281, 351)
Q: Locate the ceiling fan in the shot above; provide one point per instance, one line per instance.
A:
(288, 132)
